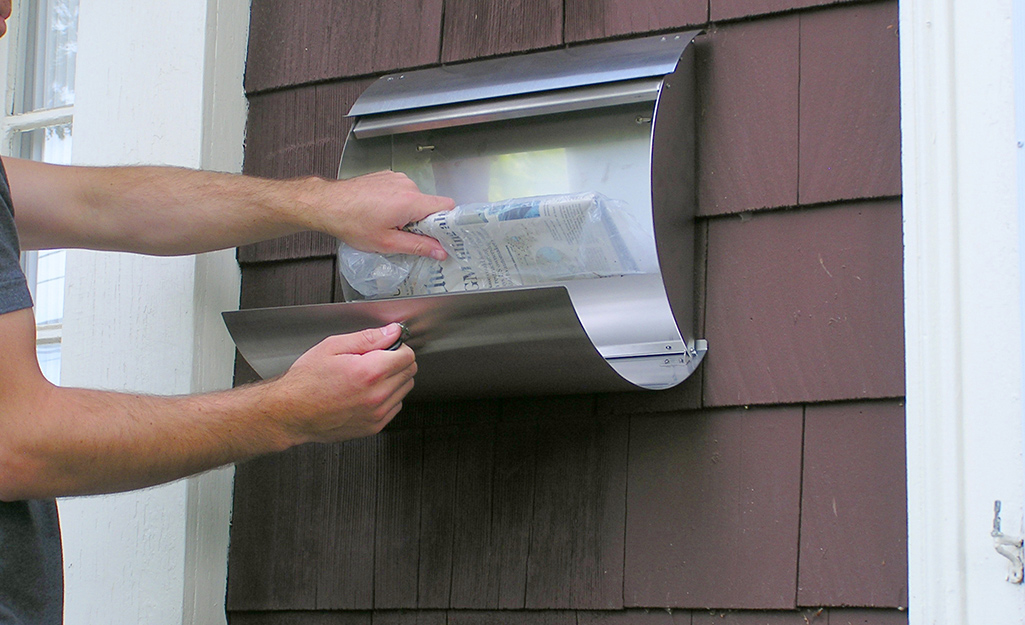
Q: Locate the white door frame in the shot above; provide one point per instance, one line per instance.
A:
(963, 311)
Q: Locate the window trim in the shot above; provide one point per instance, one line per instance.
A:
(14, 123)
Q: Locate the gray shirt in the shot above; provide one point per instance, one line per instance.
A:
(31, 570)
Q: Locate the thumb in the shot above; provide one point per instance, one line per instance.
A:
(365, 340)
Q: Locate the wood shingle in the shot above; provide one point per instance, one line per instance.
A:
(805, 306)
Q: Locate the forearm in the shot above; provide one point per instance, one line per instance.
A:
(171, 211)
(86, 442)
(153, 210)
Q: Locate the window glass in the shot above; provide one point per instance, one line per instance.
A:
(49, 355)
(49, 287)
(51, 46)
(51, 144)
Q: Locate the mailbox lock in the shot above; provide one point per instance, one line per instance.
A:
(403, 336)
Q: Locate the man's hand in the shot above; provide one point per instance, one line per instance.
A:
(369, 212)
(5, 14)
(345, 387)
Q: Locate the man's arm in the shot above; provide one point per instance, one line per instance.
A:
(167, 211)
(62, 441)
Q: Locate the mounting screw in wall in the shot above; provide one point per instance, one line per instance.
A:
(1008, 546)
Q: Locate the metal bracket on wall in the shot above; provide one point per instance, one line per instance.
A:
(1008, 546)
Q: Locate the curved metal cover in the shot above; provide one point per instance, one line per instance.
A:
(565, 68)
(506, 335)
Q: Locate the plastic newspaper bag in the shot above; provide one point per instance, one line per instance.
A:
(517, 242)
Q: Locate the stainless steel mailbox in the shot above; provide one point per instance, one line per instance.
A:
(616, 118)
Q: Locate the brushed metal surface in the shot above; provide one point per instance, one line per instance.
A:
(482, 111)
(577, 66)
(490, 343)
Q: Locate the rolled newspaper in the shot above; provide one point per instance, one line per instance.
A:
(517, 242)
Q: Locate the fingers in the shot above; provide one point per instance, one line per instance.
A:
(401, 242)
(392, 404)
(389, 201)
(385, 400)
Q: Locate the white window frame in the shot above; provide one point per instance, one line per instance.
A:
(14, 122)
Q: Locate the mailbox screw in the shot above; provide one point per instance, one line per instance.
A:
(425, 148)
(643, 120)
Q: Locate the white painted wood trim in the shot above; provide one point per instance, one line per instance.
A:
(217, 289)
(962, 308)
(38, 119)
(157, 83)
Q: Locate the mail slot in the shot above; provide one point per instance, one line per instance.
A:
(614, 119)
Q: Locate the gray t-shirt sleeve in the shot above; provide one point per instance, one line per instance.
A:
(14, 293)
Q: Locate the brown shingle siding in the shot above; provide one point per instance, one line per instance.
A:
(480, 28)
(805, 305)
(576, 536)
(308, 618)
(624, 617)
(713, 507)
(867, 617)
(597, 19)
(546, 617)
(716, 617)
(850, 103)
(800, 109)
(281, 132)
(748, 78)
(287, 283)
(292, 43)
(398, 509)
(303, 529)
(732, 9)
(853, 529)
